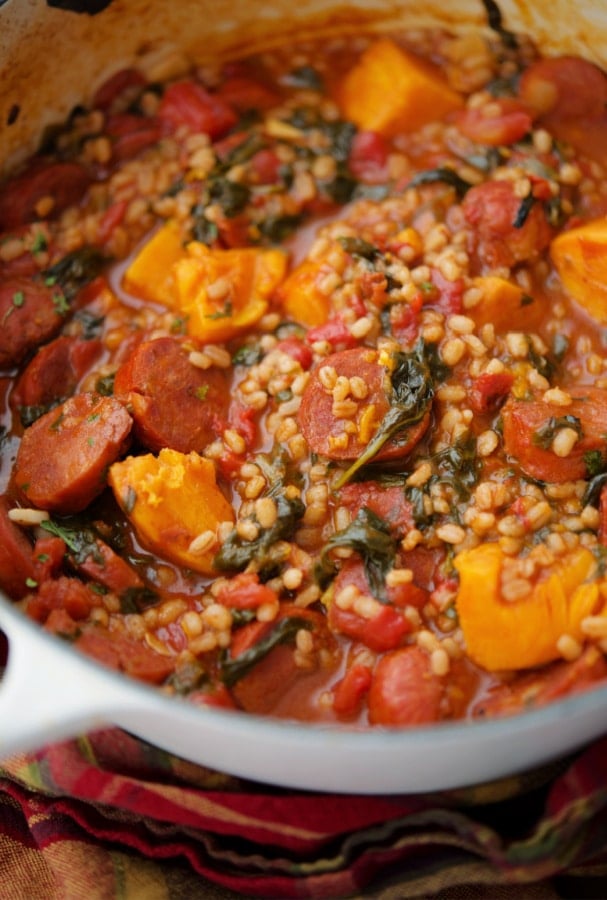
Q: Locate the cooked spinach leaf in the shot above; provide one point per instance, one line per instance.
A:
(445, 175)
(75, 270)
(236, 553)
(522, 213)
(370, 537)
(459, 466)
(232, 670)
(412, 384)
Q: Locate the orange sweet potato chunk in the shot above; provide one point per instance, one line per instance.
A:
(300, 295)
(504, 634)
(580, 257)
(171, 499)
(505, 305)
(390, 91)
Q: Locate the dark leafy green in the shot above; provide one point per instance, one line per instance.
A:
(232, 670)
(459, 466)
(236, 553)
(546, 433)
(597, 481)
(416, 497)
(75, 270)
(412, 383)
(304, 77)
(522, 213)
(278, 228)
(30, 414)
(494, 19)
(247, 355)
(444, 175)
(357, 246)
(370, 537)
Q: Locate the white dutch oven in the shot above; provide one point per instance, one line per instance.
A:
(51, 58)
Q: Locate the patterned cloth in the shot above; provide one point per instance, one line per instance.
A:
(109, 816)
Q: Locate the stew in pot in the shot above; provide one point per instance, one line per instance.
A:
(305, 381)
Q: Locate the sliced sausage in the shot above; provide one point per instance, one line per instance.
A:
(389, 503)
(492, 209)
(131, 134)
(55, 372)
(530, 428)
(403, 689)
(566, 85)
(63, 182)
(64, 456)
(342, 431)
(30, 315)
(174, 403)
(105, 567)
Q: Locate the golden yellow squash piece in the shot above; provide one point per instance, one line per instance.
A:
(300, 295)
(150, 275)
(170, 500)
(220, 293)
(580, 257)
(505, 634)
(504, 305)
(391, 91)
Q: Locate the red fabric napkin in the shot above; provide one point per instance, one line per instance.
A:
(109, 816)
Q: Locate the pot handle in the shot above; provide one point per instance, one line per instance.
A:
(47, 692)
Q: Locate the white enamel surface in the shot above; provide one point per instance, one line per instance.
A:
(51, 692)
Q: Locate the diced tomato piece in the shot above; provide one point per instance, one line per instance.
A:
(111, 219)
(368, 160)
(335, 332)
(349, 692)
(60, 622)
(48, 554)
(297, 350)
(65, 593)
(383, 631)
(265, 166)
(242, 419)
(489, 390)
(244, 591)
(190, 104)
(509, 122)
(404, 690)
(450, 294)
(230, 463)
(234, 231)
